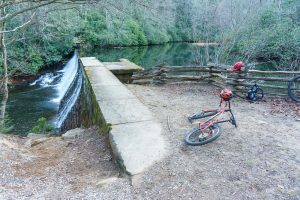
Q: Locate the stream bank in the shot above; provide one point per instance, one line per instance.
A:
(41, 167)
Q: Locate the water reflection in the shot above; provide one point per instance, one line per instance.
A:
(176, 54)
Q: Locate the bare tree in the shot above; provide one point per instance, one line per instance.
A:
(4, 63)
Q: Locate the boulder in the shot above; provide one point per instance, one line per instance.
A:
(72, 134)
(34, 142)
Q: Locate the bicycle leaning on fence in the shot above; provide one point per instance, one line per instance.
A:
(209, 130)
(294, 88)
(254, 93)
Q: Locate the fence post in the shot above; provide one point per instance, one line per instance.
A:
(241, 75)
(210, 75)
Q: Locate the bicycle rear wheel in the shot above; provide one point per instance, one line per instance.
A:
(259, 94)
(197, 137)
(294, 89)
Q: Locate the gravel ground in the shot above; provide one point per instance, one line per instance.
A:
(258, 160)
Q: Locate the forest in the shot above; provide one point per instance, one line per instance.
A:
(264, 30)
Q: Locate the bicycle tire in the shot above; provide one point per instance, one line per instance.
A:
(259, 94)
(192, 137)
(294, 89)
(201, 115)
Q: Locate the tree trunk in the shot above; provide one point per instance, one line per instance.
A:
(5, 74)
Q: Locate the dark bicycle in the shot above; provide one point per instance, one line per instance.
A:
(255, 93)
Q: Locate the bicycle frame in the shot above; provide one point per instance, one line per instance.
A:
(212, 120)
(215, 119)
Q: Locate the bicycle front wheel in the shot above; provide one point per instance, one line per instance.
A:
(198, 137)
(294, 89)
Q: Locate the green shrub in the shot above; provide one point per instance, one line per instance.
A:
(42, 126)
(156, 35)
(6, 125)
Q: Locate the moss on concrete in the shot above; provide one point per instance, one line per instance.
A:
(91, 112)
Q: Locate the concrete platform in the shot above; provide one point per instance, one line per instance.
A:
(136, 137)
(124, 66)
(91, 62)
(137, 145)
(121, 111)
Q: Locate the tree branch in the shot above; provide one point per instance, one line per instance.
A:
(41, 4)
(21, 26)
(12, 15)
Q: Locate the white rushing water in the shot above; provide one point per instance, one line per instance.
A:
(68, 104)
(69, 72)
(46, 79)
(67, 86)
(68, 89)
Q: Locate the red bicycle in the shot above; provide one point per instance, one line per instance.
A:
(209, 130)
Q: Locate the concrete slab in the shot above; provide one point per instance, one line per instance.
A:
(112, 65)
(112, 92)
(135, 137)
(137, 145)
(101, 76)
(122, 111)
(122, 67)
(91, 62)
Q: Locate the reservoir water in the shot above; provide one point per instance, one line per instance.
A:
(41, 98)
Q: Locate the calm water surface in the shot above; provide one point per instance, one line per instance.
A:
(176, 54)
(28, 103)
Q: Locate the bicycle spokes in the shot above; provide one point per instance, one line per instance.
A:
(205, 134)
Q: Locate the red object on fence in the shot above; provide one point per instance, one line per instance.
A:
(238, 66)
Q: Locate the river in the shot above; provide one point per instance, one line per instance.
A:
(27, 103)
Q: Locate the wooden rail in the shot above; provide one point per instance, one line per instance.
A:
(274, 82)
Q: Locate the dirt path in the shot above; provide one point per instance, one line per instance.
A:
(80, 168)
(258, 160)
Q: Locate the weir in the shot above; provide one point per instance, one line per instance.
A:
(70, 96)
(76, 106)
(135, 136)
(89, 94)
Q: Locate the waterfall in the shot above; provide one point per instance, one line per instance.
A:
(68, 90)
(66, 84)
(69, 100)
(69, 73)
(47, 79)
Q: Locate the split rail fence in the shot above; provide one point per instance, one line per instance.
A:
(272, 82)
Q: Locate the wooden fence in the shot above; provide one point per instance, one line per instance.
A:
(273, 82)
